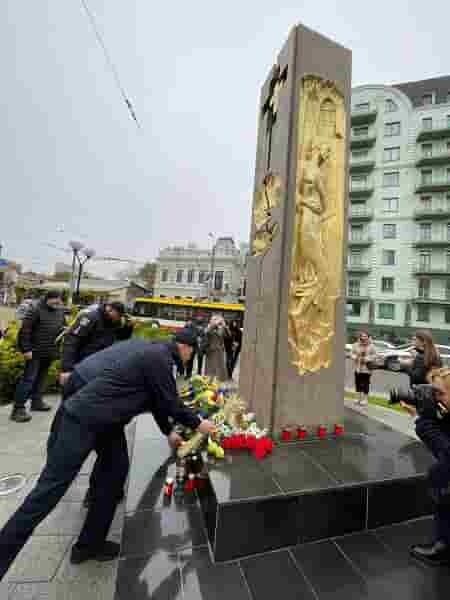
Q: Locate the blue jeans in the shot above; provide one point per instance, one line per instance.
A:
(72, 442)
(437, 440)
(31, 384)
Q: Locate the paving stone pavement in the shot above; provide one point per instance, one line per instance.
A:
(42, 571)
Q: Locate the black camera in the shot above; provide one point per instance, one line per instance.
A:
(424, 399)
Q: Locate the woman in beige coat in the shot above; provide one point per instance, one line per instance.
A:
(215, 348)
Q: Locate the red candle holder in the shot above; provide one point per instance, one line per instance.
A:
(302, 433)
(321, 431)
(286, 435)
(338, 429)
(189, 486)
(168, 487)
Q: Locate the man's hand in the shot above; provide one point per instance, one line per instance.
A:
(409, 409)
(174, 440)
(207, 427)
(28, 355)
(63, 377)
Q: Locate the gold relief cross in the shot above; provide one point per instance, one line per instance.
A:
(270, 107)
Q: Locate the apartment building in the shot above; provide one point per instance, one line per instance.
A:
(398, 272)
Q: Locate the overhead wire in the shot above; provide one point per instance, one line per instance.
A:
(110, 63)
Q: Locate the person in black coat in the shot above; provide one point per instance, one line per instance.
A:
(104, 393)
(425, 359)
(93, 331)
(236, 345)
(37, 341)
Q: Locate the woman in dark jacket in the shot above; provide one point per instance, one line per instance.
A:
(426, 358)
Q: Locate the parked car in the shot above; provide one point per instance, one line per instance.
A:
(392, 358)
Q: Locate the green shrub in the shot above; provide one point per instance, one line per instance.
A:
(154, 334)
(11, 363)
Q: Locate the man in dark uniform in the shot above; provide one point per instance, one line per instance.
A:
(92, 331)
(433, 429)
(105, 392)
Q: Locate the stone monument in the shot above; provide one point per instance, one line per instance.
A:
(293, 357)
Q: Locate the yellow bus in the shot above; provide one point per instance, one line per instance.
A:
(174, 312)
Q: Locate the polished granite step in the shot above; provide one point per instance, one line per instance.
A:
(313, 490)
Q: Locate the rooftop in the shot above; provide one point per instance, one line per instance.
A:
(416, 90)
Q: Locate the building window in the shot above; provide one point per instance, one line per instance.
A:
(448, 175)
(390, 205)
(354, 309)
(190, 276)
(202, 276)
(356, 233)
(361, 131)
(389, 231)
(447, 289)
(358, 182)
(425, 260)
(448, 121)
(391, 154)
(354, 286)
(427, 123)
(179, 275)
(359, 154)
(355, 258)
(424, 288)
(164, 275)
(427, 150)
(387, 285)
(448, 260)
(448, 231)
(388, 258)
(425, 232)
(389, 105)
(426, 177)
(362, 107)
(391, 179)
(427, 99)
(386, 311)
(391, 129)
(218, 280)
(447, 314)
(423, 313)
(425, 203)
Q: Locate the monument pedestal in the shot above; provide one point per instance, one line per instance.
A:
(292, 362)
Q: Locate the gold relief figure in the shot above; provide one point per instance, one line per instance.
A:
(266, 225)
(317, 251)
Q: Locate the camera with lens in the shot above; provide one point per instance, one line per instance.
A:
(423, 398)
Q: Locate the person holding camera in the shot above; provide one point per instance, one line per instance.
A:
(426, 357)
(431, 404)
(363, 356)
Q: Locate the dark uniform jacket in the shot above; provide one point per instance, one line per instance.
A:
(40, 328)
(418, 371)
(91, 332)
(125, 380)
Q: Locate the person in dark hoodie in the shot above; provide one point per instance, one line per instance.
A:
(37, 341)
(425, 359)
(104, 393)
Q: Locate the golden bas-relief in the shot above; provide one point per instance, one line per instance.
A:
(317, 253)
(266, 226)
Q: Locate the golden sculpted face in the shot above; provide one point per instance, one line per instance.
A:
(264, 218)
(317, 252)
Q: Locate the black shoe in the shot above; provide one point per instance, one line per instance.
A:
(20, 415)
(436, 553)
(106, 552)
(40, 406)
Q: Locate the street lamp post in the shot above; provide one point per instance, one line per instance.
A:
(75, 247)
(211, 269)
(88, 253)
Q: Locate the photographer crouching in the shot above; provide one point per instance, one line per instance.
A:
(431, 404)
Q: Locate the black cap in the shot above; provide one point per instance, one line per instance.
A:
(117, 306)
(186, 336)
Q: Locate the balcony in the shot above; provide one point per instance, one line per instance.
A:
(435, 159)
(436, 185)
(435, 130)
(433, 212)
(364, 115)
(432, 242)
(361, 241)
(362, 166)
(358, 268)
(360, 213)
(423, 269)
(355, 296)
(433, 298)
(362, 141)
(360, 191)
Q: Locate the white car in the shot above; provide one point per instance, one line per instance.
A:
(392, 358)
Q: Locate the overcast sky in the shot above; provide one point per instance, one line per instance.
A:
(74, 164)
